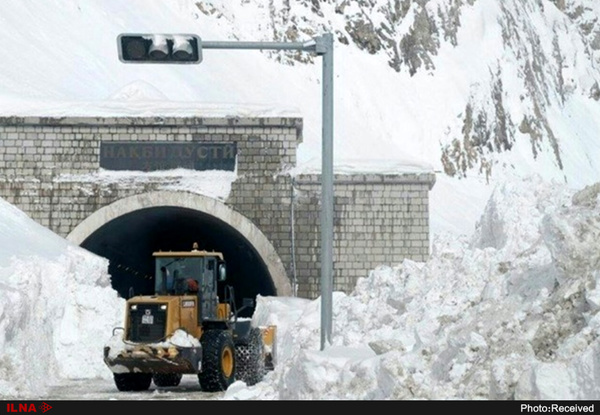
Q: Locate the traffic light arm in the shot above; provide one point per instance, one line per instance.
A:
(309, 46)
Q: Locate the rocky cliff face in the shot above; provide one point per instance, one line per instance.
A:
(548, 51)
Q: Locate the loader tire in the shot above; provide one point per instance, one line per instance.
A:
(167, 379)
(218, 361)
(250, 363)
(129, 382)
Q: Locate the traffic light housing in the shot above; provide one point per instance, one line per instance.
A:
(159, 48)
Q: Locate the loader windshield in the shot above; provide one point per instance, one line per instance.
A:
(172, 274)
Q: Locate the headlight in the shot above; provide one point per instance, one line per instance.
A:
(133, 307)
(163, 307)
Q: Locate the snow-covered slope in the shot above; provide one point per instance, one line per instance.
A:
(470, 88)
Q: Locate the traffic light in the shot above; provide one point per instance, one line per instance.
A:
(159, 48)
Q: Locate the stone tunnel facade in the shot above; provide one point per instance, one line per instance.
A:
(49, 169)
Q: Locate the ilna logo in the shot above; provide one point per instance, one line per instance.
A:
(27, 407)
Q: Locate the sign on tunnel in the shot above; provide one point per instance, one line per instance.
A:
(152, 156)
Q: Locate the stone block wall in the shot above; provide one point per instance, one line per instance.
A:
(378, 219)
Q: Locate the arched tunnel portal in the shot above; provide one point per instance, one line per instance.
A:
(128, 231)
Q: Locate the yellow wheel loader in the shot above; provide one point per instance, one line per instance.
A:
(186, 328)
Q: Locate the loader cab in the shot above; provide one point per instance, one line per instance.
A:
(192, 272)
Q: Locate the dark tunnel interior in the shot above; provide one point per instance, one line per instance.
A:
(129, 241)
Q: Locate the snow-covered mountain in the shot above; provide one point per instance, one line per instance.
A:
(474, 89)
(512, 66)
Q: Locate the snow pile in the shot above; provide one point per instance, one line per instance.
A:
(55, 300)
(510, 313)
(180, 338)
(210, 183)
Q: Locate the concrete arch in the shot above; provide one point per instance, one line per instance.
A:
(195, 202)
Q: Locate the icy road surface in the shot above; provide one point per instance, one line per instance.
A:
(102, 389)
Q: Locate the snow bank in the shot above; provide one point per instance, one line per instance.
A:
(57, 308)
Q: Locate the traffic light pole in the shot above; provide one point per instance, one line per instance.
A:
(322, 46)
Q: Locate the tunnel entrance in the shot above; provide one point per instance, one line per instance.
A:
(129, 230)
(129, 241)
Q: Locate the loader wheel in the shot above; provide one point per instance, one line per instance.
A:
(250, 363)
(167, 379)
(128, 382)
(218, 361)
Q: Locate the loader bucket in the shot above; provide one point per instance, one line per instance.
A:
(147, 359)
